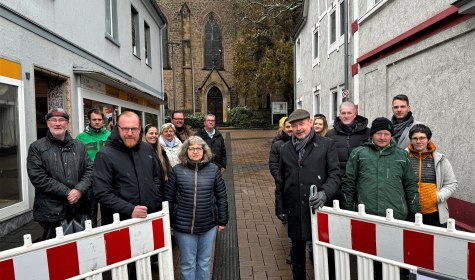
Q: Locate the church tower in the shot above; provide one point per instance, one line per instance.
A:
(198, 56)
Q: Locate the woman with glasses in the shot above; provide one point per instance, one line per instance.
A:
(436, 179)
(197, 197)
(170, 143)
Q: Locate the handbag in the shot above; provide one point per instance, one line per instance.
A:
(76, 224)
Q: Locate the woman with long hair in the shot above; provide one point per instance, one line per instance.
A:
(320, 124)
(150, 136)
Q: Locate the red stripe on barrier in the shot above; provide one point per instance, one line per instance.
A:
(117, 246)
(363, 237)
(419, 249)
(471, 261)
(322, 220)
(63, 261)
(7, 270)
(158, 234)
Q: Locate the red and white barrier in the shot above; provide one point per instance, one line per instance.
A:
(93, 251)
(444, 251)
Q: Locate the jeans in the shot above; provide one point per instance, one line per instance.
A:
(195, 254)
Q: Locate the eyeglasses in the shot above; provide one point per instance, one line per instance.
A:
(61, 120)
(415, 139)
(383, 134)
(133, 129)
(195, 149)
(178, 119)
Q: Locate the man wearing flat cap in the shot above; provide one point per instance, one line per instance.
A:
(61, 172)
(307, 159)
(380, 176)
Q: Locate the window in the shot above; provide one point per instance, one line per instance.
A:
(135, 31)
(213, 47)
(111, 20)
(334, 104)
(148, 49)
(316, 103)
(342, 18)
(10, 157)
(315, 46)
(332, 26)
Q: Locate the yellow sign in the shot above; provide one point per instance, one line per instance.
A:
(9, 69)
(131, 97)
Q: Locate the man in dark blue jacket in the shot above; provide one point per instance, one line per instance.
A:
(127, 173)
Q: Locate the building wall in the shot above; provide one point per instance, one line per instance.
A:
(47, 37)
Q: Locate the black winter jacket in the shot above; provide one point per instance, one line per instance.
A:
(197, 197)
(126, 177)
(275, 152)
(318, 166)
(346, 140)
(54, 168)
(217, 146)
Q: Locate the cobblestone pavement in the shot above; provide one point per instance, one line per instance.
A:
(262, 239)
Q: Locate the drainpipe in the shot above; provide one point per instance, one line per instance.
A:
(345, 12)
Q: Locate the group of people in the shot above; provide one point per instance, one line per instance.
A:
(393, 164)
(130, 171)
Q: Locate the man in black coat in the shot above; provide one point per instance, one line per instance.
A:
(215, 141)
(127, 173)
(61, 172)
(349, 131)
(307, 159)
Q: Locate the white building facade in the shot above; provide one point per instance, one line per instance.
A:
(77, 55)
(423, 49)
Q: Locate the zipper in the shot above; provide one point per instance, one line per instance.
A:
(194, 199)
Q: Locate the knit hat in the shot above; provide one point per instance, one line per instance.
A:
(282, 121)
(381, 124)
(57, 112)
(299, 114)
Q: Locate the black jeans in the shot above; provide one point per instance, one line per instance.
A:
(49, 229)
(298, 259)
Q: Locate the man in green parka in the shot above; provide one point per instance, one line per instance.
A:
(380, 176)
(94, 138)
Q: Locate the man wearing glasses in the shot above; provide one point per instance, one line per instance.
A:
(183, 131)
(61, 172)
(380, 176)
(127, 173)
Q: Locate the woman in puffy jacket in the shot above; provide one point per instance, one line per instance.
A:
(197, 198)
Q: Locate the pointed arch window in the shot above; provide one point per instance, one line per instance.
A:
(213, 44)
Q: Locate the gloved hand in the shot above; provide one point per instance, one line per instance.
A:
(282, 218)
(318, 200)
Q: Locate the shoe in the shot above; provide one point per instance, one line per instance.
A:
(288, 260)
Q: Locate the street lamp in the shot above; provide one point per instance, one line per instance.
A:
(173, 45)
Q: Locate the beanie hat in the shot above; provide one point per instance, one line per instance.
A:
(57, 112)
(381, 124)
(299, 114)
(282, 121)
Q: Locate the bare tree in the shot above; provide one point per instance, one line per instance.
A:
(257, 11)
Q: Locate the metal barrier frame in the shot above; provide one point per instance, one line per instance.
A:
(365, 261)
(119, 269)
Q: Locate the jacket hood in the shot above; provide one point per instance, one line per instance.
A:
(360, 121)
(117, 142)
(430, 149)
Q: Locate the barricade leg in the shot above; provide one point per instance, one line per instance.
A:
(165, 259)
(342, 265)
(365, 268)
(320, 262)
(390, 272)
(143, 268)
(120, 273)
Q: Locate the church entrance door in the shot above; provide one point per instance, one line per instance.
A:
(215, 104)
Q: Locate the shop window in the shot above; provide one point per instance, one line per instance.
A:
(10, 171)
(109, 111)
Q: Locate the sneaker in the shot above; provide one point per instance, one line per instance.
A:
(288, 260)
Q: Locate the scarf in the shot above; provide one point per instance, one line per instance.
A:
(399, 127)
(299, 145)
(169, 144)
(211, 134)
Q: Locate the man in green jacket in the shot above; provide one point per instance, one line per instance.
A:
(380, 176)
(94, 138)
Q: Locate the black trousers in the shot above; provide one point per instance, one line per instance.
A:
(49, 229)
(298, 259)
